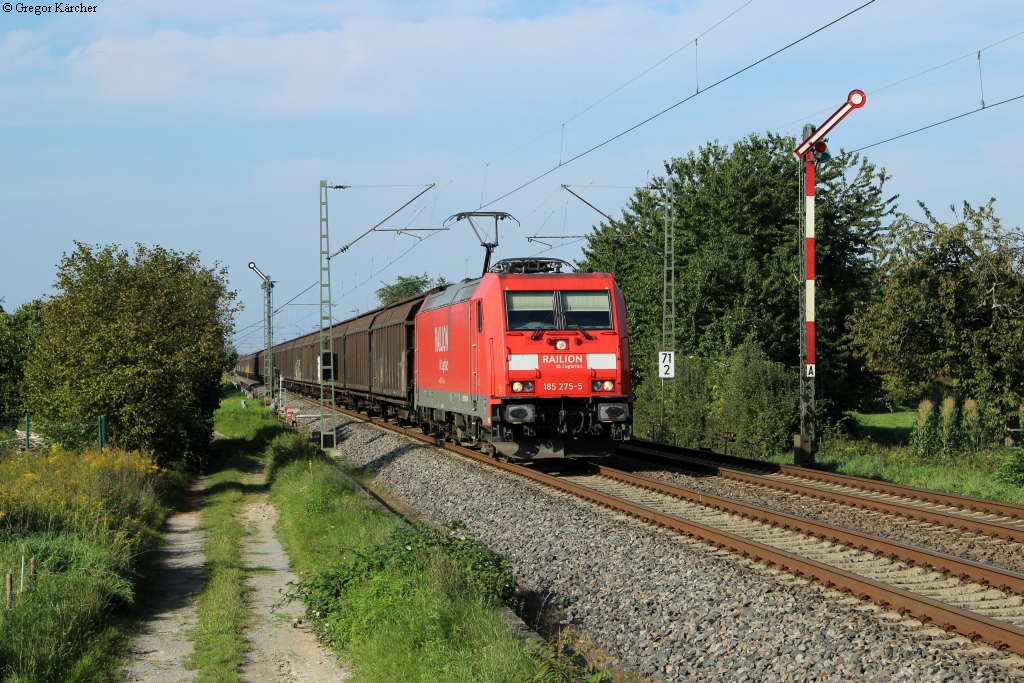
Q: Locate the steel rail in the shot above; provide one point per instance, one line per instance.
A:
(873, 485)
(986, 575)
(969, 624)
(706, 461)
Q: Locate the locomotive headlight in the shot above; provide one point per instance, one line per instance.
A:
(517, 387)
(613, 412)
(608, 385)
(561, 344)
(596, 385)
(528, 387)
(522, 412)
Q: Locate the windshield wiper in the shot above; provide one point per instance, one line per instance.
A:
(575, 324)
(539, 332)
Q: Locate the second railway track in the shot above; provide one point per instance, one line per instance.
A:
(978, 601)
(987, 518)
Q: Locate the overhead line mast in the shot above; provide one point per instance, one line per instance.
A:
(325, 363)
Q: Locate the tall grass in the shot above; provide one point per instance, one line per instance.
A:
(977, 474)
(88, 519)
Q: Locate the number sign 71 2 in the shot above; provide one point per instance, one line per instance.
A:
(667, 365)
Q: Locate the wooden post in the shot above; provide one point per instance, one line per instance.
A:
(10, 588)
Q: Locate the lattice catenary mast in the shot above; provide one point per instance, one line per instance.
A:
(325, 363)
(668, 303)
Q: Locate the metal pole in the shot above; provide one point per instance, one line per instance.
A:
(325, 362)
(268, 332)
(268, 355)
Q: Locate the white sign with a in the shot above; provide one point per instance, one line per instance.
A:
(667, 365)
(810, 370)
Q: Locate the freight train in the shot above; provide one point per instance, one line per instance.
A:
(525, 362)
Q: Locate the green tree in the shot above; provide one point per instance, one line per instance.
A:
(737, 259)
(407, 286)
(948, 309)
(140, 337)
(17, 335)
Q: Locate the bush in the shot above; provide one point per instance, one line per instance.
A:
(140, 337)
(744, 393)
(410, 550)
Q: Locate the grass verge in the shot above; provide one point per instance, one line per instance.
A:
(222, 606)
(968, 474)
(400, 604)
(973, 474)
(90, 520)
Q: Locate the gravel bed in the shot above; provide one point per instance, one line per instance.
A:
(656, 603)
(997, 552)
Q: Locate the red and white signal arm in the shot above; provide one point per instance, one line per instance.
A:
(855, 100)
(667, 365)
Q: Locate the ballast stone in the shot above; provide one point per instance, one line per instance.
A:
(656, 603)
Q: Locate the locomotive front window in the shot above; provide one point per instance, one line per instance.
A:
(530, 310)
(589, 310)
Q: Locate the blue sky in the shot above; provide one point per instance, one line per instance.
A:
(208, 126)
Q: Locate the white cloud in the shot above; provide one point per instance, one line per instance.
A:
(23, 50)
(372, 64)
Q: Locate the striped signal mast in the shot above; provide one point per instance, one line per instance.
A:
(812, 151)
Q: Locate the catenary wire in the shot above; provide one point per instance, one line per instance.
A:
(602, 99)
(682, 101)
(277, 310)
(954, 118)
(904, 80)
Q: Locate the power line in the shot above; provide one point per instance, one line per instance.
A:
(908, 78)
(294, 298)
(374, 228)
(602, 99)
(954, 118)
(278, 310)
(683, 101)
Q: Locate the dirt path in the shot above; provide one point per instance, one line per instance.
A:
(280, 652)
(159, 650)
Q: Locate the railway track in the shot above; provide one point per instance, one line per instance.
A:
(978, 601)
(987, 518)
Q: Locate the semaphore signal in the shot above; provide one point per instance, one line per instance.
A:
(812, 151)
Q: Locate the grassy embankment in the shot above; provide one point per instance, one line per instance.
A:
(222, 606)
(397, 604)
(91, 521)
(881, 453)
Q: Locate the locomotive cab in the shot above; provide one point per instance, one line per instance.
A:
(527, 361)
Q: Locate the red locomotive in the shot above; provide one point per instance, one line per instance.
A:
(527, 360)
(524, 362)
